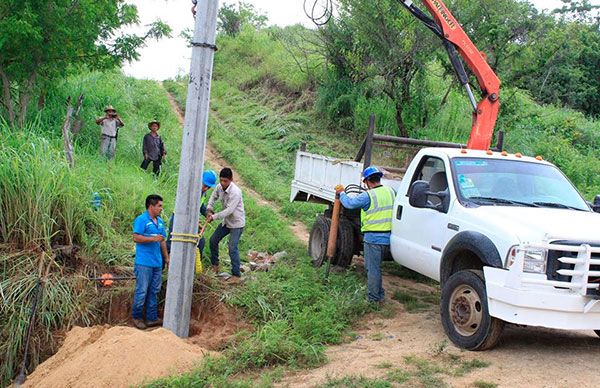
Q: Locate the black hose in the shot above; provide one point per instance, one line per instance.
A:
(353, 189)
(321, 19)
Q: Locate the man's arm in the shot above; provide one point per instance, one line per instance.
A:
(213, 198)
(235, 202)
(145, 146)
(140, 239)
(164, 252)
(100, 120)
(120, 122)
(361, 201)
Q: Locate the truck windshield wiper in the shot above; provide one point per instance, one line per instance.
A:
(557, 205)
(503, 201)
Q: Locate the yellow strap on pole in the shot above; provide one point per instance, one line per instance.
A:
(187, 237)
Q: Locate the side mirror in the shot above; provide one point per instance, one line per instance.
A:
(596, 204)
(417, 194)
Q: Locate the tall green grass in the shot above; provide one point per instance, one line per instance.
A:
(44, 203)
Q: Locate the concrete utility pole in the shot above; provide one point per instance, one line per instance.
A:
(187, 204)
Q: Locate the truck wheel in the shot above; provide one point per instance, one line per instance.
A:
(345, 244)
(319, 235)
(465, 314)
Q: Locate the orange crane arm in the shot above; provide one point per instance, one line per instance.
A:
(457, 42)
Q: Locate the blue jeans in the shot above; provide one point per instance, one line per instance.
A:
(234, 253)
(373, 256)
(147, 286)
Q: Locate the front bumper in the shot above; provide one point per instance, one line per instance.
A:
(532, 299)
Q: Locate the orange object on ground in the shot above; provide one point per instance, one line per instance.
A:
(106, 280)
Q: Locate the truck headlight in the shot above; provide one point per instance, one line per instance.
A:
(534, 261)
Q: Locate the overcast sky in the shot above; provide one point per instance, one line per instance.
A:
(169, 57)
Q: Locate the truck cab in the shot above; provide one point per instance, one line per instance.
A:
(508, 237)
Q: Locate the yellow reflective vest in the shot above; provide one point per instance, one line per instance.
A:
(378, 218)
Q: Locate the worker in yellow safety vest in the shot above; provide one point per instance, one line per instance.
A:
(376, 206)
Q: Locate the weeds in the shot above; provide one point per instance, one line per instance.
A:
(484, 384)
(415, 301)
(398, 376)
(356, 382)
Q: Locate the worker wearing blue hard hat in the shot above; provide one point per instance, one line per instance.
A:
(376, 204)
(209, 181)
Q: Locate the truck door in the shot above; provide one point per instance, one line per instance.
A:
(419, 235)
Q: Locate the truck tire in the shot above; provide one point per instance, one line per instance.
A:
(317, 242)
(465, 314)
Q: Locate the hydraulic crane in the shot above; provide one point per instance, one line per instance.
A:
(456, 42)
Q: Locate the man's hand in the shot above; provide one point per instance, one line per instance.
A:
(146, 156)
(158, 238)
(209, 218)
(167, 261)
(339, 189)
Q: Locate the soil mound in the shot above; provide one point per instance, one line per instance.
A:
(104, 356)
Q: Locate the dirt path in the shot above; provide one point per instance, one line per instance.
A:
(526, 357)
(218, 162)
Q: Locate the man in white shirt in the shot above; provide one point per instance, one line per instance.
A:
(234, 220)
(110, 125)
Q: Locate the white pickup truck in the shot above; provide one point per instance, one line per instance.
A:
(509, 238)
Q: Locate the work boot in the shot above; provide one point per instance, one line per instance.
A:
(157, 322)
(235, 280)
(139, 324)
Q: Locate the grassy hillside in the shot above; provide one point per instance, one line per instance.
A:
(265, 104)
(45, 204)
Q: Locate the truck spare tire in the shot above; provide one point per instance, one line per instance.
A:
(319, 235)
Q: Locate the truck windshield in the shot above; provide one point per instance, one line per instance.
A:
(514, 183)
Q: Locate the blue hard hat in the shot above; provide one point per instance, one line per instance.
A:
(371, 171)
(209, 178)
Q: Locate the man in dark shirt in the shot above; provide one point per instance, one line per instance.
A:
(154, 148)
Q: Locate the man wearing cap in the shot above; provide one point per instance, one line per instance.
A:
(110, 124)
(209, 180)
(153, 148)
(376, 214)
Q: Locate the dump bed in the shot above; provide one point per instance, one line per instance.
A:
(316, 176)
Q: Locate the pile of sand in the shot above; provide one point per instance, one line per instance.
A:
(104, 356)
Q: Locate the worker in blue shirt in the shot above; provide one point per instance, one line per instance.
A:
(150, 253)
(376, 206)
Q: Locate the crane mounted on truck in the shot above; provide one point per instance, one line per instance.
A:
(509, 238)
(456, 41)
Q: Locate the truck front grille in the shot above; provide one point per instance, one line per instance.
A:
(561, 265)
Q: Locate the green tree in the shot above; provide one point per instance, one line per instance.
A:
(499, 28)
(562, 67)
(41, 41)
(232, 17)
(378, 41)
